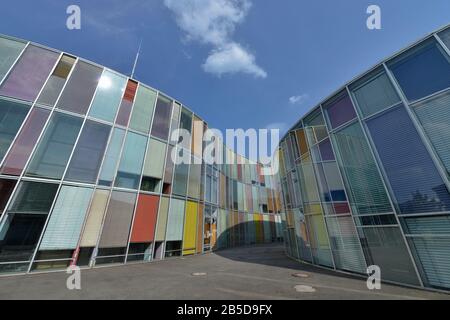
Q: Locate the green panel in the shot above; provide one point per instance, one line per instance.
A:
(365, 187)
(144, 106)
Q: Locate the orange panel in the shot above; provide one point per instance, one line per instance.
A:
(301, 141)
(145, 220)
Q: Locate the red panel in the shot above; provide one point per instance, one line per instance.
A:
(130, 91)
(145, 220)
(341, 208)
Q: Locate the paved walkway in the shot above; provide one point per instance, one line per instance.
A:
(259, 272)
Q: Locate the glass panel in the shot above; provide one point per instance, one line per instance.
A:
(445, 37)
(326, 151)
(176, 220)
(197, 137)
(340, 111)
(181, 178)
(176, 114)
(145, 219)
(112, 158)
(364, 184)
(413, 176)
(320, 246)
(345, 244)
(160, 234)
(154, 163)
(67, 218)
(95, 218)
(24, 222)
(80, 88)
(168, 172)
(107, 98)
(88, 154)
(144, 106)
(9, 51)
(54, 149)
(194, 179)
(161, 121)
(127, 104)
(6, 188)
(130, 168)
(117, 224)
(334, 181)
(422, 71)
(25, 142)
(55, 83)
(12, 115)
(434, 115)
(190, 226)
(429, 241)
(385, 247)
(29, 74)
(374, 93)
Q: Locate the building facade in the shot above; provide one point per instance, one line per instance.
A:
(365, 174)
(87, 177)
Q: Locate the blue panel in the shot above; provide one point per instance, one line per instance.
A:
(422, 71)
(414, 178)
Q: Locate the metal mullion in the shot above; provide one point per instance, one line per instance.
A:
(386, 183)
(27, 44)
(140, 181)
(367, 226)
(61, 182)
(443, 45)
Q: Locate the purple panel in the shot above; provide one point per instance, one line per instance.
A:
(161, 121)
(29, 74)
(124, 113)
(340, 111)
(326, 151)
(22, 148)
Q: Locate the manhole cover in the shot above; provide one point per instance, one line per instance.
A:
(300, 275)
(199, 274)
(304, 289)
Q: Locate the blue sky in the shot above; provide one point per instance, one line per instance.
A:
(248, 64)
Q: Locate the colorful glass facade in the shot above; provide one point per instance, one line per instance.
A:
(86, 175)
(365, 174)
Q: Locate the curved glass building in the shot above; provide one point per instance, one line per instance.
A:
(87, 177)
(365, 174)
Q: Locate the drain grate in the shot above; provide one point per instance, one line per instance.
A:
(304, 289)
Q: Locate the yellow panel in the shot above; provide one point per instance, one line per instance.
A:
(190, 228)
(258, 228)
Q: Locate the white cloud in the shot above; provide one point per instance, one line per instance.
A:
(232, 59)
(213, 22)
(298, 99)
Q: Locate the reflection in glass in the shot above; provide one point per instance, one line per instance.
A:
(29, 74)
(80, 88)
(88, 154)
(107, 99)
(53, 151)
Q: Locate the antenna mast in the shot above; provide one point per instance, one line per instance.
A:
(137, 58)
